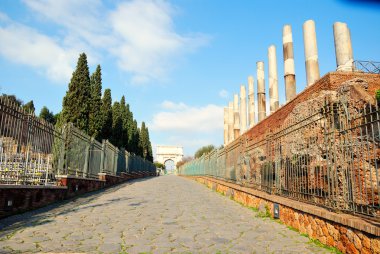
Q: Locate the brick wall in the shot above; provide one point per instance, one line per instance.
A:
(348, 233)
(77, 185)
(16, 199)
(330, 81)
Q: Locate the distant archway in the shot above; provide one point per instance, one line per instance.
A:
(169, 165)
(169, 156)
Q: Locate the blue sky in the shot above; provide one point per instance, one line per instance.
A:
(177, 62)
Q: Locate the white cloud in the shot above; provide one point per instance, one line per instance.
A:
(223, 93)
(181, 117)
(173, 106)
(188, 126)
(21, 44)
(149, 44)
(3, 17)
(140, 34)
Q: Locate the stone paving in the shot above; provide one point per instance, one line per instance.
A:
(166, 214)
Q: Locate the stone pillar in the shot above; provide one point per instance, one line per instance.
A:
(290, 76)
(243, 109)
(236, 117)
(343, 47)
(261, 90)
(230, 122)
(251, 102)
(225, 126)
(273, 79)
(311, 52)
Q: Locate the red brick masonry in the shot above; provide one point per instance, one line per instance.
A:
(16, 198)
(348, 233)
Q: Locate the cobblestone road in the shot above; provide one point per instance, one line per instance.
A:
(156, 215)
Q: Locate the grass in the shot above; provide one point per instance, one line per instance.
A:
(267, 214)
(316, 241)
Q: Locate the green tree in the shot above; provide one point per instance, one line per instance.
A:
(95, 116)
(124, 115)
(135, 148)
(131, 129)
(145, 145)
(12, 99)
(203, 150)
(77, 102)
(143, 141)
(29, 107)
(106, 115)
(47, 115)
(378, 95)
(149, 156)
(117, 125)
(139, 148)
(159, 165)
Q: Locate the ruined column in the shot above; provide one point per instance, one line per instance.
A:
(311, 52)
(261, 90)
(273, 79)
(225, 125)
(243, 109)
(230, 122)
(343, 47)
(251, 102)
(236, 117)
(290, 76)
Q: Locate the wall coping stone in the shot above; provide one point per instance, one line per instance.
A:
(9, 186)
(79, 178)
(352, 221)
(106, 174)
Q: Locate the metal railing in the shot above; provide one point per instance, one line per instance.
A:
(33, 152)
(367, 66)
(329, 156)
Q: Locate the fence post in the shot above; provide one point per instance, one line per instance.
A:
(62, 151)
(86, 160)
(102, 155)
(115, 157)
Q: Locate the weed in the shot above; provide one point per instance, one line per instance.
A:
(38, 245)
(265, 214)
(316, 241)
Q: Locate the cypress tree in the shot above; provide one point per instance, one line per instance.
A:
(106, 115)
(12, 99)
(139, 142)
(29, 107)
(131, 130)
(135, 138)
(143, 139)
(124, 116)
(76, 103)
(95, 116)
(47, 115)
(117, 125)
(149, 156)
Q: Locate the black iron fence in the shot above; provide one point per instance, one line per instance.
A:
(34, 152)
(327, 155)
(367, 66)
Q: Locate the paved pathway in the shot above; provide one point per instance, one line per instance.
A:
(156, 215)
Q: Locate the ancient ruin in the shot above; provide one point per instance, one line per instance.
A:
(322, 147)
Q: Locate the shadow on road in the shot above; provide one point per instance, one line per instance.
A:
(45, 214)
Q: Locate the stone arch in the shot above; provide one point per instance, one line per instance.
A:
(170, 165)
(166, 153)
